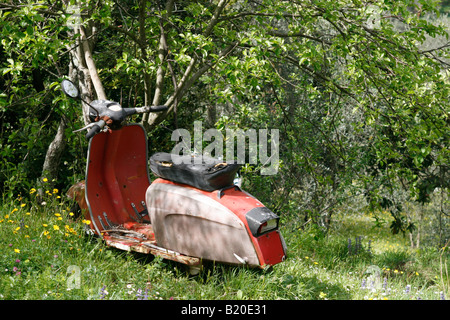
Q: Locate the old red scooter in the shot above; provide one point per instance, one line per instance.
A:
(191, 213)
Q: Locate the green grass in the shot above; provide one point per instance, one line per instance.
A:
(43, 249)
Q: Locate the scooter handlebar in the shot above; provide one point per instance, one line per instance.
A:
(95, 129)
(147, 109)
(98, 126)
(158, 108)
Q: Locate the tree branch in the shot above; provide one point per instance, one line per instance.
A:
(91, 66)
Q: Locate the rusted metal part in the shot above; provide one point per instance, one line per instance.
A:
(149, 247)
(77, 193)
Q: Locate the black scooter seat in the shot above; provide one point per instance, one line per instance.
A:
(201, 172)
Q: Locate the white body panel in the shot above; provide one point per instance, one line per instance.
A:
(189, 222)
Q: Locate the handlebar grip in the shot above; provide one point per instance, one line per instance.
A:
(95, 129)
(158, 108)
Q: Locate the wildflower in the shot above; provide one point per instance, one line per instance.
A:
(71, 214)
(103, 293)
(55, 227)
(14, 210)
(45, 225)
(88, 222)
(363, 284)
(55, 190)
(322, 295)
(22, 205)
(33, 190)
(45, 179)
(17, 261)
(139, 294)
(129, 286)
(27, 214)
(16, 250)
(407, 289)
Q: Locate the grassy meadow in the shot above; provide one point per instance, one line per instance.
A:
(46, 255)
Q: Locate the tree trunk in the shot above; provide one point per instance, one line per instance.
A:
(54, 152)
(83, 71)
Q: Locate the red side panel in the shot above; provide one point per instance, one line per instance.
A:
(117, 175)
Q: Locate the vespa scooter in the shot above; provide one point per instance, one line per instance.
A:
(190, 213)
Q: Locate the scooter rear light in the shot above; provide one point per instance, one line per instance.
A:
(261, 220)
(268, 226)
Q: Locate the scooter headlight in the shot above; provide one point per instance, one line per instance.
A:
(261, 221)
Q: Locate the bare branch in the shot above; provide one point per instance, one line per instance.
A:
(91, 66)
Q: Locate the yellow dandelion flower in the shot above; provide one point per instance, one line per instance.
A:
(45, 179)
(55, 227)
(71, 214)
(46, 233)
(33, 190)
(55, 190)
(45, 225)
(16, 250)
(14, 210)
(27, 214)
(57, 214)
(6, 216)
(86, 221)
(22, 205)
(17, 229)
